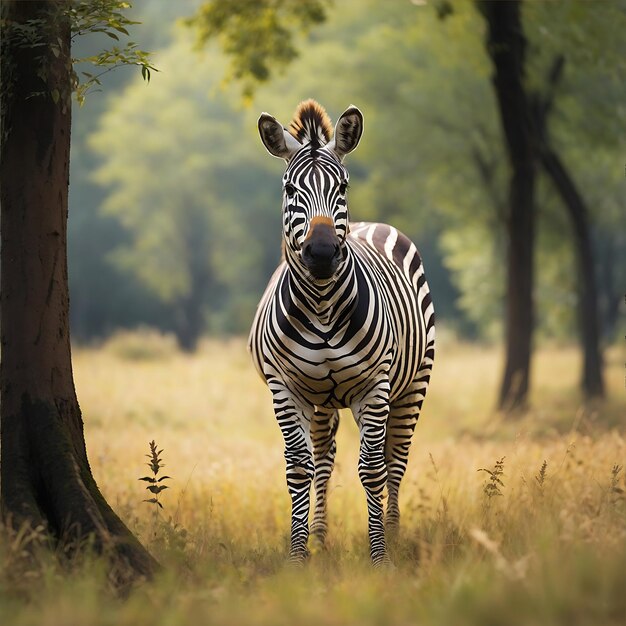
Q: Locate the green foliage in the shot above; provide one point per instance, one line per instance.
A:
(258, 35)
(431, 159)
(107, 17)
(187, 186)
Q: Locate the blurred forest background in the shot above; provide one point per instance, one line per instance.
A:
(175, 205)
(174, 225)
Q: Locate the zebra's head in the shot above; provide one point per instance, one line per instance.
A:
(315, 183)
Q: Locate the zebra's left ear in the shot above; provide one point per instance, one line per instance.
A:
(348, 131)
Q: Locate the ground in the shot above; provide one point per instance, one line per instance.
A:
(540, 538)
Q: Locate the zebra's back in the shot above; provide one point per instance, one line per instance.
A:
(403, 285)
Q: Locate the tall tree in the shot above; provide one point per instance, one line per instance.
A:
(506, 46)
(45, 474)
(592, 381)
(198, 233)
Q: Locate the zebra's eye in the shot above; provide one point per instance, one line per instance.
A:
(343, 188)
(290, 190)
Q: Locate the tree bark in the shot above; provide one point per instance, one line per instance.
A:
(45, 475)
(506, 46)
(610, 296)
(592, 380)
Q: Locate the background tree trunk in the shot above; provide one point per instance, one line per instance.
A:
(609, 293)
(190, 318)
(45, 474)
(506, 47)
(592, 381)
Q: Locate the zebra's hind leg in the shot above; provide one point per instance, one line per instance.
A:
(403, 416)
(323, 429)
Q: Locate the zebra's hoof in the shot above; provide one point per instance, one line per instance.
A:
(317, 542)
(298, 559)
(383, 563)
(391, 532)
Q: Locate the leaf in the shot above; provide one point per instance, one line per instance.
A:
(149, 479)
(108, 33)
(163, 478)
(152, 501)
(157, 488)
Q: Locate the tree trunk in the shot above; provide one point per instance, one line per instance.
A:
(190, 314)
(45, 475)
(506, 46)
(610, 296)
(592, 381)
(190, 320)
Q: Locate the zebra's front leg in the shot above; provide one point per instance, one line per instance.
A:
(323, 430)
(294, 422)
(371, 416)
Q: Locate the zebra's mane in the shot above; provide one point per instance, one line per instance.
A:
(311, 124)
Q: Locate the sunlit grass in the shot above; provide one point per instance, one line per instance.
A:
(549, 548)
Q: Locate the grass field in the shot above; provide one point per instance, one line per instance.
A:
(542, 546)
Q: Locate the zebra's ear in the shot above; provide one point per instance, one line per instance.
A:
(278, 141)
(348, 131)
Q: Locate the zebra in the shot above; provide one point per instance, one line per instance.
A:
(346, 321)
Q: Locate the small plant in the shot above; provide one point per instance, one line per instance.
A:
(540, 478)
(154, 485)
(166, 533)
(616, 492)
(491, 488)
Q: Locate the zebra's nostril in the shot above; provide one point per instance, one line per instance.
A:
(320, 252)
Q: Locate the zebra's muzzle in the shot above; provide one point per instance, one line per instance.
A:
(321, 252)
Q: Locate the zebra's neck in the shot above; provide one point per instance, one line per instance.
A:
(328, 302)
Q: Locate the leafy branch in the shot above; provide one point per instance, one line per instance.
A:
(106, 17)
(257, 35)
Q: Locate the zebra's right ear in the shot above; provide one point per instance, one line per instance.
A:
(278, 141)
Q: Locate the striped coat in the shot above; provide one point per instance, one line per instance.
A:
(346, 321)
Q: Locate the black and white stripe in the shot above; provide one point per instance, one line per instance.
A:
(362, 339)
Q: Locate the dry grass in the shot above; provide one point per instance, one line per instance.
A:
(538, 539)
